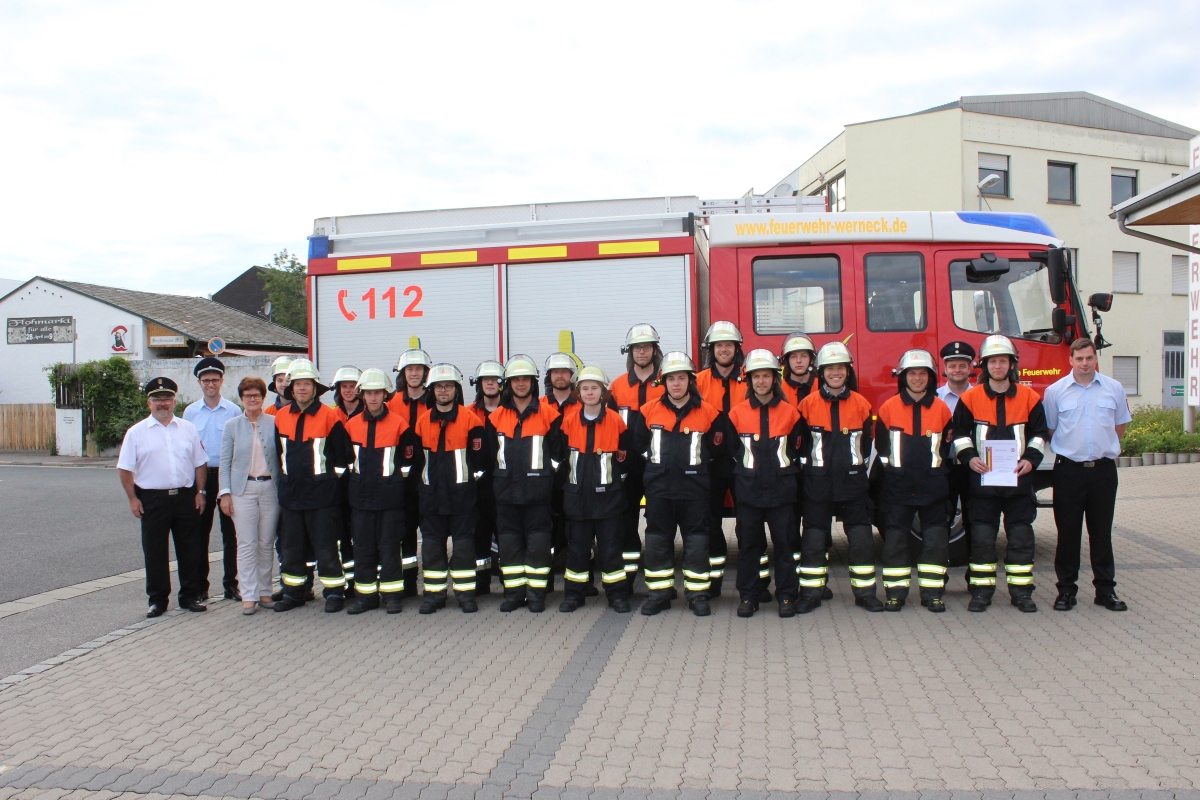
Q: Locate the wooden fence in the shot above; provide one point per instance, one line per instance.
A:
(26, 426)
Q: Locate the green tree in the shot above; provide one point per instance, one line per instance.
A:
(286, 289)
(112, 397)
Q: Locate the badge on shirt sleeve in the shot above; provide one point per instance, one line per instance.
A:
(477, 444)
(408, 451)
(621, 456)
(718, 437)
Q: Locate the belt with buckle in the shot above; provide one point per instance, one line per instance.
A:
(258, 478)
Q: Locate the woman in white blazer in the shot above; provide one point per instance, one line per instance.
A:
(249, 471)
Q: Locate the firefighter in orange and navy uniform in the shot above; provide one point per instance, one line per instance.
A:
(798, 357)
(593, 444)
(559, 383)
(410, 399)
(488, 378)
(523, 479)
(1000, 408)
(347, 403)
(912, 443)
(279, 368)
(721, 385)
(837, 444)
(680, 435)
(376, 496)
(768, 437)
(451, 437)
(313, 448)
(627, 394)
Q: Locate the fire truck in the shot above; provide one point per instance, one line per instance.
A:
(484, 283)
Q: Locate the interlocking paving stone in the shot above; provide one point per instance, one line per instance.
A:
(836, 705)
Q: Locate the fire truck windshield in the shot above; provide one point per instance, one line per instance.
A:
(1016, 304)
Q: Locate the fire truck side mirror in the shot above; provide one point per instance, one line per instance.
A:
(987, 268)
(1059, 267)
(1060, 320)
(1100, 301)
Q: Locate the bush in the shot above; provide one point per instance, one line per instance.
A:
(112, 397)
(1158, 430)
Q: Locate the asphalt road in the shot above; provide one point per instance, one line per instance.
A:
(60, 526)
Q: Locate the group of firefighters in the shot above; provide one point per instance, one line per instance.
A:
(527, 478)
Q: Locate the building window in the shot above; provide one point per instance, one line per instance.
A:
(1124, 185)
(992, 164)
(834, 193)
(1061, 182)
(1125, 272)
(1125, 372)
(895, 291)
(797, 294)
(1179, 274)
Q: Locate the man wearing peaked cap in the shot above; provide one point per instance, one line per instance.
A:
(958, 359)
(209, 414)
(162, 467)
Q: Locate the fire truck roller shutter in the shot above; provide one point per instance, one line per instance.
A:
(598, 301)
(453, 311)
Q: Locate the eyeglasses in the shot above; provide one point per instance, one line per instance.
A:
(209, 381)
(252, 396)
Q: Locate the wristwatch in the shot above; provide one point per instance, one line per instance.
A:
(202, 491)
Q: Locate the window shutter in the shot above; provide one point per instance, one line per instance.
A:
(1179, 274)
(991, 161)
(1125, 372)
(1125, 272)
(1124, 173)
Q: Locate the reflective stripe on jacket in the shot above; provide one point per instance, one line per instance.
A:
(378, 470)
(910, 442)
(451, 443)
(837, 444)
(596, 452)
(1017, 414)
(679, 444)
(524, 471)
(313, 449)
(768, 438)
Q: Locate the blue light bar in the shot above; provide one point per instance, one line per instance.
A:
(318, 247)
(1028, 223)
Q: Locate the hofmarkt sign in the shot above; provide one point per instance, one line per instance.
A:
(41, 330)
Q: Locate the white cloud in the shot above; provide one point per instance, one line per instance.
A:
(166, 146)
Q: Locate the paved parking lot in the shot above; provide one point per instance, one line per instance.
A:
(596, 704)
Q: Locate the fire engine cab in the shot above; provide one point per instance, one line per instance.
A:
(484, 283)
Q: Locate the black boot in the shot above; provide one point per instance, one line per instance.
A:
(362, 603)
(656, 603)
(787, 608)
(570, 604)
(870, 603)
(287, 603)
(1024, 603)
(393, 602)
(620, 606)
(827, 593)
(747, 608)
(433, 602)
(513, 599)
(466, 602)
(979, 603)
(1064, 602)
(935, 604)
(893, 604)
(334, 603)
(699, 606)
(808, 604)
(537, 604)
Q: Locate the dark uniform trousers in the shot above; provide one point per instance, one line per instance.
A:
(377, 537)
(319, 529)
(408, 545)
(1019, 512)
(606, 533)
(814, 545)
(459, 568)
(753, 570)
(485, 533)
(631, 539)
(935, 550)
(1083, 492)
(229, 583)
(165, 517)
(524, 532)
(720, 481)
(690, 517)
(346, 542)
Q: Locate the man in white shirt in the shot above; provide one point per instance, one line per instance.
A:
(209, 415)
(957, 361)
(163, 468)
(1087, 413)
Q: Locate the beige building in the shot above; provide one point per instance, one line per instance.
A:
(1067, 157)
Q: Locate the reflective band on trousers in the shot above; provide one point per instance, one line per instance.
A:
(391, 586)
(861, 571)
(695, 581)
(333, 583)
(660, 578)
(578, 577)
(293, 580)
(366, 588)
(613, 577)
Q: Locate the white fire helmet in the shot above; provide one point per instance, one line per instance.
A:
(561, 361)
(488, 369)
(520, 366)
(439, 373)
(676, 361)
(591, 372)
(374, 379)
(351, 374)
(796, 342)
(916, 359)
(413, 357)
(760, 359)
(834, 353)
(996, 345)
(642, 333)
(722, 331)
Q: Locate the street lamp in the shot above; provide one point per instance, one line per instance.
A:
(987, 183)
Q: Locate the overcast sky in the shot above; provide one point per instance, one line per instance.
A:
(169, 146)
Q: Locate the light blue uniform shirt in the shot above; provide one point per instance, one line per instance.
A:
(210, 424)
(1085, 418)
(949, 397)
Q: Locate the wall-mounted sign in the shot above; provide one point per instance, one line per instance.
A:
(120, 339)
(216, 345)
(168, 341)
(41, 330)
